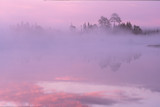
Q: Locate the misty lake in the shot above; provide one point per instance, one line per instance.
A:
(79, 53)
(70, 70)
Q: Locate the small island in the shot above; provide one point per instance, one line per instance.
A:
(114, 25)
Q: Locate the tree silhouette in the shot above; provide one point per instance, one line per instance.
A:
(115, 19)
(137, 30)
(118, 26)
(84, 27)
(72, 28)
(104, 22)
(129, 26)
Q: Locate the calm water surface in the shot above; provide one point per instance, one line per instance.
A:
(80, 71)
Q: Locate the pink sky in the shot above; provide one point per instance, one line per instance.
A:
(62, 14)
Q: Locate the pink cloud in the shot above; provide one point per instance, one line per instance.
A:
(67, 78)
(22, 93)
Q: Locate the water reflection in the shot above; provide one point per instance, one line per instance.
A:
(78, 71)
(60, 94)
(115, 63)
(74, 94)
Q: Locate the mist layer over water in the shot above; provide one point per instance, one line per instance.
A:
(105, 63)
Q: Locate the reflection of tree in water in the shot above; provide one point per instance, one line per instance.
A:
(115, 66)
(115, 63)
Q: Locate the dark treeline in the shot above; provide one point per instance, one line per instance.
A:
(113, 25)
(27, 27)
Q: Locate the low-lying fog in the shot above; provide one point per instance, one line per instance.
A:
(65, 69)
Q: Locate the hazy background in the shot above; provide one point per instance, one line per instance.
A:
(60, 14)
